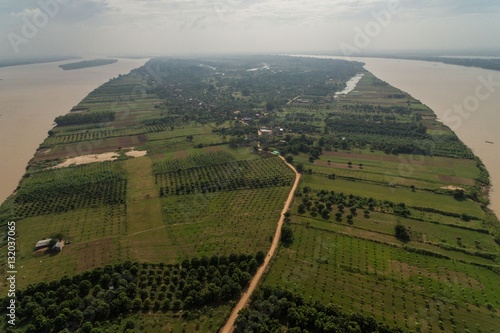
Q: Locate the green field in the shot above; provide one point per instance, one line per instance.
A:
(396, 194)
(390, 218)
(352, 197)
(396, 286)
(149, 228)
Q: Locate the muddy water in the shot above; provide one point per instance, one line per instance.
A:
(31, 96)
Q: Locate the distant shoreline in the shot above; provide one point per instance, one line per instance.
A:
(36, 113)
(87, 64)
(21, 62)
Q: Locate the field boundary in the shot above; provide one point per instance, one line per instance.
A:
(254, 282)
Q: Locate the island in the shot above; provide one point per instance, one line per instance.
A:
(87, 63)
(189, 189)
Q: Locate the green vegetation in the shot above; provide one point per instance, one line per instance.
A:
(84, 118)
(71, 188)
(275, 309)
(212, 176)
(379, 278)
(390, 220)
(391, 205)
(87, 63)
(101, 300)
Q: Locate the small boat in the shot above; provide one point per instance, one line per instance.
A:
(489, 142)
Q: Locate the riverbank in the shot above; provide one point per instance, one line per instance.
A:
(31, 97)
(447, 89)
(451, 92)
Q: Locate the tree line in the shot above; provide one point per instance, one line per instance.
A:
(84, 118)
(84, 302)
(277, 310)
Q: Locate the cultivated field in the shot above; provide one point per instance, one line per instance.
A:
(354, 195)
(396, 286)
(390, 219)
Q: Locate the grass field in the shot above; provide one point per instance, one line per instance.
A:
(206, 224)
(151, 228)
(204, 189)
(395, 194)
(394, 285)
(439, 280)
(207, 321)
(423, 172)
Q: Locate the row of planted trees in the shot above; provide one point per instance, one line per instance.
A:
(324, 202)
(234, 175)
(105, 293)
(274, 309)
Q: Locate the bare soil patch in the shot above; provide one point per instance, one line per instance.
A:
(91, 254)
(125, 141)
(451, 187)
(456, 180)
(73, 150)
(84, 159)
(181, 154)
(136, 153)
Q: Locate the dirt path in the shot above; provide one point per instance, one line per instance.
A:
(245, 297)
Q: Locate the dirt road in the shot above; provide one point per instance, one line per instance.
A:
(245, 297)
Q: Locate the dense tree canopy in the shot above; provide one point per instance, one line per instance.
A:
(277, 310)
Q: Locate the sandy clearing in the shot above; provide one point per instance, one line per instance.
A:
(245, 297)
(84, 159)
(136, 153)
(90, 158)
(451, 187)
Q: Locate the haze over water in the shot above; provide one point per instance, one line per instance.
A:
(31, 96)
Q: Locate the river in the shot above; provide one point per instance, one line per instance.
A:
(466, 99)
(31, 96)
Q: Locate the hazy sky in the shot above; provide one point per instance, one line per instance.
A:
(152, 27)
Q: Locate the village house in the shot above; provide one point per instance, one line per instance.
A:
(42, 243)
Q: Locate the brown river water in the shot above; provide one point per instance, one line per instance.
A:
(31, 96)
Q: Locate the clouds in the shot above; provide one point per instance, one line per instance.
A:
(185, 26)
